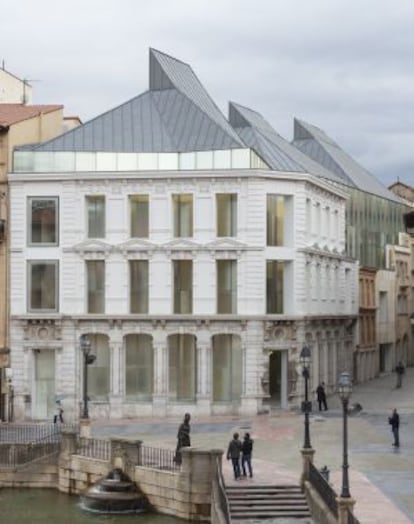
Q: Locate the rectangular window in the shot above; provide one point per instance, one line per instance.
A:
(139, 214)
(274, 286)
(226, 205)
(96, 216)
(226, 286)
(43, 224)
(43, 285)
(138, 286)
(96, 286)
(183, 215)
(275, 214)
(183, 286)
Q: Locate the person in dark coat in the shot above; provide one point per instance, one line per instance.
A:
(183, 438)
(233, 453)
(321, 396)
(394, 421)
(247, 450)
(400, 370)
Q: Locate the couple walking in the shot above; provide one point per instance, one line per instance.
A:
(238, 449)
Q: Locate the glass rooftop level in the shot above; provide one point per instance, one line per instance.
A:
(80, 161)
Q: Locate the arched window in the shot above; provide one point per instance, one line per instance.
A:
(139, 366)
(99, 370)
(227, 368)
(182, 367)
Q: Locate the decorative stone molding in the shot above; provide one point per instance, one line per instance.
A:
(92, 249)
(42, 330)
(279, 330)
(137, 248)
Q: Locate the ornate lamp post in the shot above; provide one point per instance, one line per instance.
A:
(305, 359)
(344, 391)
(85, 345)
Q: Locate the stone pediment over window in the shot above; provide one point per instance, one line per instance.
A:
(93, 249)
(226, 247)
(180, 245)
(136, 248)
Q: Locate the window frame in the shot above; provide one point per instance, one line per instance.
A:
(30, 264)
(30, 242)
(130, 202)
(87, 262)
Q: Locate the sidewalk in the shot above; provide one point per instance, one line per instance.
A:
(381, 478)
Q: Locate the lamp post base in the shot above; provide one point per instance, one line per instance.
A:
(85, 428)
(307, 458)
(345, 504)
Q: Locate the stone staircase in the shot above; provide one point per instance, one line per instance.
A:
(267, 502)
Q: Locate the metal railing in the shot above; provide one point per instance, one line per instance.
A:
(19, 454)
(324, 489)
(351, 517)
(158, 458)
(11, 432)
(94, 448)
(224, 503)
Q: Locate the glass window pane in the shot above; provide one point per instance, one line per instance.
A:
(274, 286)
(96, 216)
(226, 205)
(99, 370)
(275, 220)
(226, 286)
(227, 368)
(139, 209)
(43, 284)
(96, 286)
(43, 227)
(139, 365)
(183, 286)
(182, 366)
(138, 272)
(183, 215)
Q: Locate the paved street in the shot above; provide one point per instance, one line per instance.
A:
(381, 477)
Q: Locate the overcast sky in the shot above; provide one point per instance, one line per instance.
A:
(343, 65)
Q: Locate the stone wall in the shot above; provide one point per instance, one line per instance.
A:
(184, 493)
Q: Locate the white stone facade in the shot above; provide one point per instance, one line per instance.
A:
(319, 291)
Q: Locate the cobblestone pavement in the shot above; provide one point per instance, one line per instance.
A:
(381, 477)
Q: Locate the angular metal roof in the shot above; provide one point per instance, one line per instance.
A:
(322, 149)
(175, 115)
(277, 152)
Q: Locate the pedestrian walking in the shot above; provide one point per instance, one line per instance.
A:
(400, 370)
(233, 453)
(321, 396)
(58, 416)
(183, 438)
(247, 450)
(394, 421)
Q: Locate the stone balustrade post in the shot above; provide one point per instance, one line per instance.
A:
(307, 459)
(125, 454)
(68, 446)
(199, 467)
(345, 504)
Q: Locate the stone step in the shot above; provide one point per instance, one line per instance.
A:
(264, 502)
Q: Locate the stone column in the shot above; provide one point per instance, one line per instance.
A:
(203, 369)
(160, 394)
(68, 448)
(116, 396)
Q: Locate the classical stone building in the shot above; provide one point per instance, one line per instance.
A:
(197, 267)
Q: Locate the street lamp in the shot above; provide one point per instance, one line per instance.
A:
(305, 359)
(344, 392)
(85, 345)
